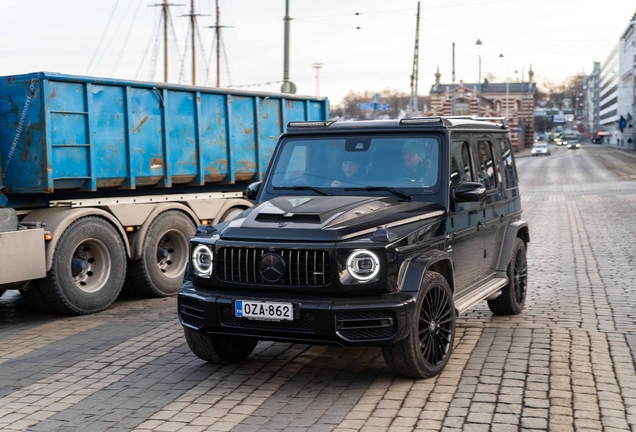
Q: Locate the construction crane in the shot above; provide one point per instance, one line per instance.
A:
(414, 77)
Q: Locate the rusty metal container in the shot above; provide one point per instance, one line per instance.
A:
(64, 133)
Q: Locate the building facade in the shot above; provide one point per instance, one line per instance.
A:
(592, 90)
(608, 109)
(514, 100)
(627, 82)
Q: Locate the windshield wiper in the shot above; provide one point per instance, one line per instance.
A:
(311, 188)
(399, 193)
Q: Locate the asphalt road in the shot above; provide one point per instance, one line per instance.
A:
(565, 363)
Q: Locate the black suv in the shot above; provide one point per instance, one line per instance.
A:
(364, 233)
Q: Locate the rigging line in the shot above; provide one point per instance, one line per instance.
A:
(185, 50)
(227, 63)
(345, 26)
(113, 35)
(152, 36)
(121, 51)
(257, 84)
(102, 37)
(155, 51)
(175, 45)
(407, 10)
(202, 51)
(207, 69)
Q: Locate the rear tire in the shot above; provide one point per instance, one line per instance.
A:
(219, 349)
(427, 348)
(165, 252)
(513, 296)
(87, 273)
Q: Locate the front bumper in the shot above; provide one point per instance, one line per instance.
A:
(375, 321)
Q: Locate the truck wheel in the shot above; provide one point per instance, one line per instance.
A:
(427, 348)
(231, 214)
(513, 296)
(87, 273)
(159, 272)
(219, 349)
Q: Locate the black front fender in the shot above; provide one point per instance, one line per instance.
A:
(413, 270)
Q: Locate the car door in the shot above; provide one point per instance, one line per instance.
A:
(491, 223)
(466, 242)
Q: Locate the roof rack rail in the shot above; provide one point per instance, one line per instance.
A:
(425, 120)
(310, 123)
(503, 121)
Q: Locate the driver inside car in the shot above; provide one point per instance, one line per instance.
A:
(420, 161)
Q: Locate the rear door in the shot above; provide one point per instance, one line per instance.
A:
(492, 223)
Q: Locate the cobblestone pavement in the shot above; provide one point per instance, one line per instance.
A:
(565, 363)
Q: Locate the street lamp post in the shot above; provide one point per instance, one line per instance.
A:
(507, 85)
(479, 95)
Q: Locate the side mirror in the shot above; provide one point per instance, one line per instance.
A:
(470, 191)
(252, 190)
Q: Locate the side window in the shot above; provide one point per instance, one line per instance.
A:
(510, 171)
(460, 163)
(486, 165)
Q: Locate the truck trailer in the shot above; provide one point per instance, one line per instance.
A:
(104, 181)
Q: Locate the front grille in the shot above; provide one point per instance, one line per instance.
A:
(191, 312)
(366, 324)
(273, 217)
(303, 267)
(306, 323)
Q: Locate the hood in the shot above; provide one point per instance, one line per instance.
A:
(326, 218)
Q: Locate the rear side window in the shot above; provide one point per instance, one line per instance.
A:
(510, 171)
(486, 165)
(460, 163)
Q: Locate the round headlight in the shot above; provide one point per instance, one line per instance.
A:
(202, 261)
(363, 265)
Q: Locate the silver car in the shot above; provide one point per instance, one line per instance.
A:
(541, 149)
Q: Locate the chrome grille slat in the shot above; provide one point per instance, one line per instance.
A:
(241, 265)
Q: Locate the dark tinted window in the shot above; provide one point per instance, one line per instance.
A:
(486, 165)
(510, 172)
(460, 163)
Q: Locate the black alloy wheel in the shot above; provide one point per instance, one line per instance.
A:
(513, 296)
(429, 345)
(436, 325)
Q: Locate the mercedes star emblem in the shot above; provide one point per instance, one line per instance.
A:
(272, 267)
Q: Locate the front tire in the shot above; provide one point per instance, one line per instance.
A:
(219, 349)
(159, 271)
(87, 273)
(513, 296)
(426, 350)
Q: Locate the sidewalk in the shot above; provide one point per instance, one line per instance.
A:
(523, 152)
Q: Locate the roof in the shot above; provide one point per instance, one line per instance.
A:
(401, 125)
(516, 87)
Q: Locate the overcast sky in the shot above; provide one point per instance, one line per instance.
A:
(363, 44)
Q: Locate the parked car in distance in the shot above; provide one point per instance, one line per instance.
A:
(574, 146)
(369, 233)
(540, 149)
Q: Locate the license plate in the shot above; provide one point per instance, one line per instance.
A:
(264, 310)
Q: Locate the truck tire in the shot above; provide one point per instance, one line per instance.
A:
(231, 214)
(513, 296)
(165, 253)
(427, 348)
(219, 349)
(87, 272)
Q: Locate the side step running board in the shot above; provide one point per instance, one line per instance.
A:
(470, 299)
